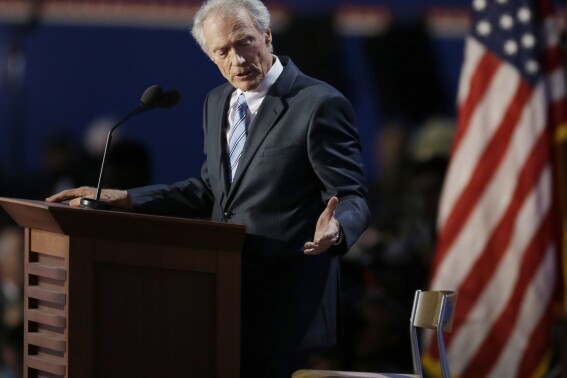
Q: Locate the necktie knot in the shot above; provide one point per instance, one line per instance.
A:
(241, 105)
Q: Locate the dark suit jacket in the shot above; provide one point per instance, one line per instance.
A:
(302, 149)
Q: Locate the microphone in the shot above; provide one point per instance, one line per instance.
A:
(153, 97)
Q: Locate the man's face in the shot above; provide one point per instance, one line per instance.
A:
(240, 51)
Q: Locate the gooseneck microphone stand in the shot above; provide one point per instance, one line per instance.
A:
(97, 203)
(151, 98)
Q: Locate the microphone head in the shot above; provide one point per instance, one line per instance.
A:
(154, 97)
(151, 97)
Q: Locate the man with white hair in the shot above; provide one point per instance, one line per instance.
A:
(282, 158)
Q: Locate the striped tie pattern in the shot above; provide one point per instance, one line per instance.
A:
(237, 134)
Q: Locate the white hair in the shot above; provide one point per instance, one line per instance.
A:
(256, 9)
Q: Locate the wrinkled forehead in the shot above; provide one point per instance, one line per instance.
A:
(228, 21)
(220, 27)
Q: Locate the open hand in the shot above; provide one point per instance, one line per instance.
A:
(327, 230)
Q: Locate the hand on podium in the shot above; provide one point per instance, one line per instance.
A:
(116, 198)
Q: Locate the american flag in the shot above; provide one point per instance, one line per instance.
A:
(499, 215)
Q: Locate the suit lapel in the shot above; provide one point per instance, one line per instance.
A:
(269, 113)
(218, 136)
(266, 118)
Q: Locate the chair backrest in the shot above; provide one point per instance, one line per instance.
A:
(432, 310)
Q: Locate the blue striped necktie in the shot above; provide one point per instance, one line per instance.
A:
(237, 134)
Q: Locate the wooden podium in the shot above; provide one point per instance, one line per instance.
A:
(117, 294)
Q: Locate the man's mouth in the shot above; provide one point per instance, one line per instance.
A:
(243, 75)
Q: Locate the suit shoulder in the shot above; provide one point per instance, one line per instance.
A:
(310, 85)
(317, 91)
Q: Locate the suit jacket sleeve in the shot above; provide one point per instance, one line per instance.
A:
(191, 198)
(334, 151)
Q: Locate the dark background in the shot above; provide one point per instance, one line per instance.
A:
(77, 71)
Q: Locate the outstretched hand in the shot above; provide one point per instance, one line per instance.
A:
(117, 198)
(327, 231)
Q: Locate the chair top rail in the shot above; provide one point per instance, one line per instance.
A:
(429, 307)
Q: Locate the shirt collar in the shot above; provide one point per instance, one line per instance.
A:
(255, 97)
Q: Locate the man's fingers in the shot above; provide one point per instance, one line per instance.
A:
(320, 245)
(310, 248)
(332, 205)
(71, 194)
(59, 197)
(75, 202)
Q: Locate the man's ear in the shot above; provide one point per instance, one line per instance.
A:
(268, 37)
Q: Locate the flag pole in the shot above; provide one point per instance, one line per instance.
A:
(560, 144)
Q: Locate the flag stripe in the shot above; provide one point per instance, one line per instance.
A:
(491, 157)
(473, 53)
(484, 268)
(491, 303)
(473, 307)
(475, 234)
(531, 313)
(468, 153)
(501, 330)
(538, 346)
(484, 124)
(487, 308)
(480, 81)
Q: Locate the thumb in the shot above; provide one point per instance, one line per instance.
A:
(331, 206)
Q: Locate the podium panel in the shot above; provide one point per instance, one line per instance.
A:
(115, 294)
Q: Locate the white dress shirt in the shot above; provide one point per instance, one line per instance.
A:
(255, 97)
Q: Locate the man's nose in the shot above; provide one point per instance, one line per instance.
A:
(237, 58)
